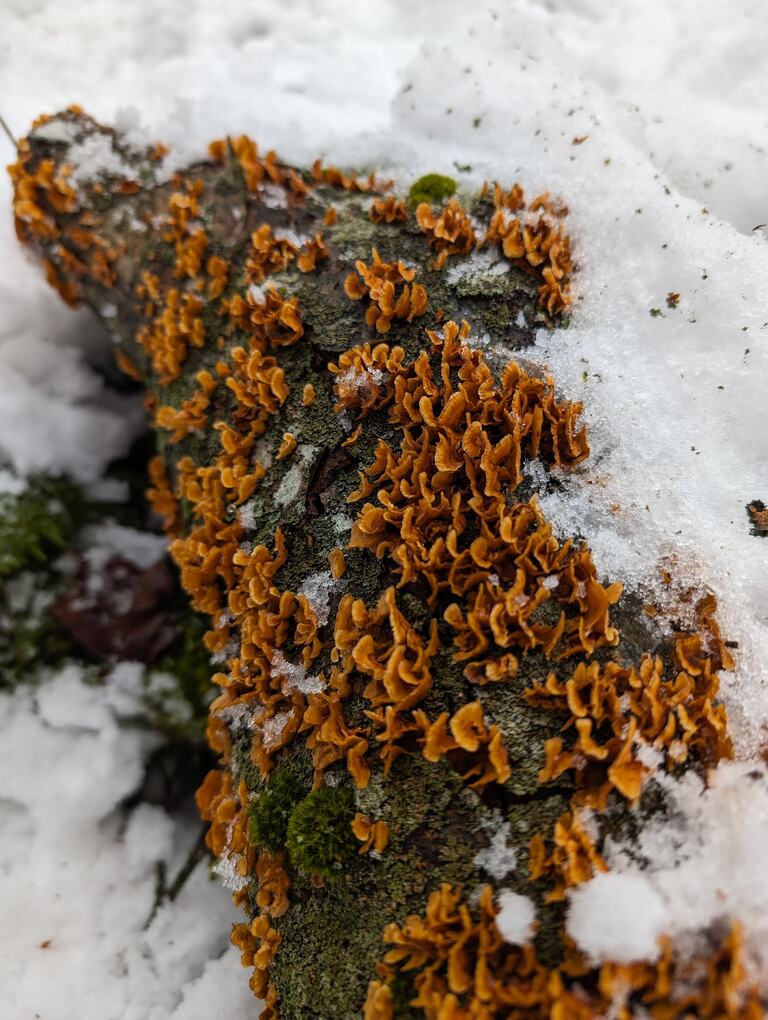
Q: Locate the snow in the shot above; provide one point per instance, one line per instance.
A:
(108, 490)
(484, 264)
(516, 917)
(705, 864)
(78, 868)
(317, 590)
(202, 998)
(617, 916)
(497, 858)
(44, 425)
(94, 158)
(10, 484)
(361, 381)
(226, 870)
(109, 539)
(664, 190)
(297, 240)
(294, 675)
(272, 728)
(291, 482)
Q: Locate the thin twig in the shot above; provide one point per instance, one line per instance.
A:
(8, 131)
(165, 893)
(196, 854)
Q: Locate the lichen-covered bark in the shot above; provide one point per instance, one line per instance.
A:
(277, 550)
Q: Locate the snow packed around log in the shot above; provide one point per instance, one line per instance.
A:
(650, 122)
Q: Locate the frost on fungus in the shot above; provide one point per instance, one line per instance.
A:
(429, 723)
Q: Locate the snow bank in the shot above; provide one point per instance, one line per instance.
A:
(55, 412)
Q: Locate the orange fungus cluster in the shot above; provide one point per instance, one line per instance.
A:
(390, 290)
(47, 210)
(462, 969)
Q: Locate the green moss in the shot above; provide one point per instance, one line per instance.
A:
(29, 634)
(320, 839)
(434, 821)
(431, 188)
(38, 522)
(35, 526)
(271, 809)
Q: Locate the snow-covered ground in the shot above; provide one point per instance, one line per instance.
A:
(80, 937)
(650, 120)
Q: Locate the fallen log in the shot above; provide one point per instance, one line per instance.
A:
(432, 709)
